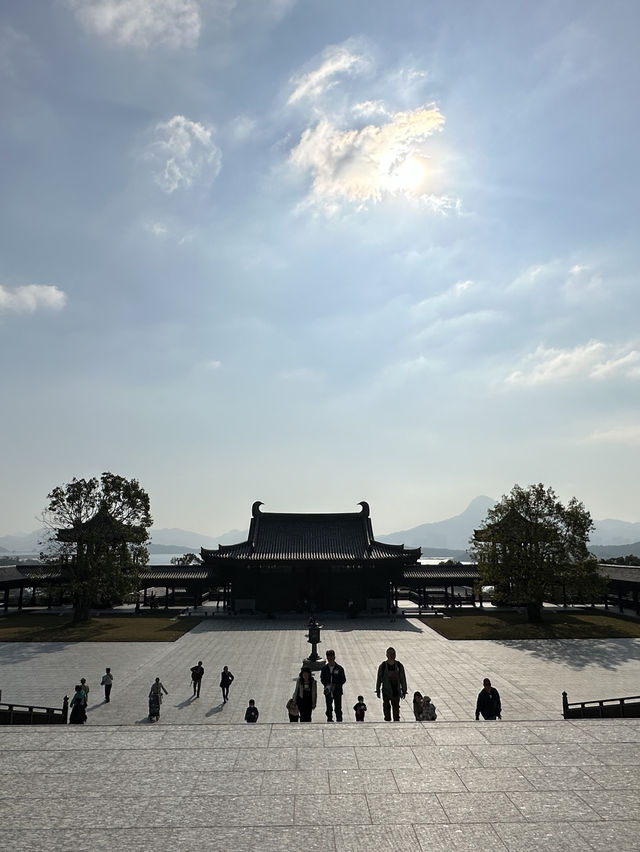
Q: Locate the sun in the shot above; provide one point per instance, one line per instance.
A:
(410, 173)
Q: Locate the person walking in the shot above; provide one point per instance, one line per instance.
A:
(488, 704)
(226, 679)
(306, 694)
(392, 681)
(360, 708)
(332, 677)
(196, 678)
(107, 682)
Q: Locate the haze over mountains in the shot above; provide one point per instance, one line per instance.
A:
(449, 537)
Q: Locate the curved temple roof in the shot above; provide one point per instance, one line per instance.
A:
(287, 536)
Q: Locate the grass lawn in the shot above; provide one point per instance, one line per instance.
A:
(123, 628)
(555, 625)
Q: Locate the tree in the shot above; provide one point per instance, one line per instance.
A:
(186, 559)
(98, 534)
(530, 544)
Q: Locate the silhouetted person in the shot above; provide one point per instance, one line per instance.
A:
(488, 704)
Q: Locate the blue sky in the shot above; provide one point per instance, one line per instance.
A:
(313, 252)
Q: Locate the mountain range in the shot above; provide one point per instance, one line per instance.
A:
(447, 538)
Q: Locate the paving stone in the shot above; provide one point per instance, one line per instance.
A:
(561, 837)
(489, 807)
(332, 810)
(428, 780)
(459, 838)
(621, 836)
(557, 806)
(399, 808)
(505, 778)
(382, 838)
(445, 756)
(613, 804)
(362, 781)
(560, 777)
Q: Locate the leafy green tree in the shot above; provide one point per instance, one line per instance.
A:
(530, 544)
(98, 534)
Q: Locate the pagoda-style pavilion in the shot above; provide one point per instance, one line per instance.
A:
(309, 561)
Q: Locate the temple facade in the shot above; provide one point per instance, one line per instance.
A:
(309, 562)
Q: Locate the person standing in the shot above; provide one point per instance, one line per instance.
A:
(85, 689)
(196, 678)
(392, 682)
(226, 679)
(107, 682)
(488, 703)
(292, 710)
(78, 714)
(360, 708)
(332, 677)
(306, 694)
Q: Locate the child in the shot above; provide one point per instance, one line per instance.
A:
(292, 710)
(360, 709)
(252, 712)
(417, 706)
(428, 710)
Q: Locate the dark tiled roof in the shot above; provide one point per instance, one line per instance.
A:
(329, 537)
(174, 573)
(441, 572)
(624, 573)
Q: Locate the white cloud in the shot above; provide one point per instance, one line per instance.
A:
(141, 23)
(183, 154)
(212, 366)
(624, 435)
(30, 298)
(337, 59)
(371, 163)
(594, 360)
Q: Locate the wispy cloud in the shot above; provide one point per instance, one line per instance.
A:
(30, 298)
(594, 360)
(183, 154)
(336, 59)
(141, 23)
(623, 435)
(365, 165)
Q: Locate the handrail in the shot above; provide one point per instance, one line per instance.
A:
(596, 704)
(51, 713)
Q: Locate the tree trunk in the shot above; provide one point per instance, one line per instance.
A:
(81, 608)
(534, 613)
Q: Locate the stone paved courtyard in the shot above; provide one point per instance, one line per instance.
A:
(200, 776)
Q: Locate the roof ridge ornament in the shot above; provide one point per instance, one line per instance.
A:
(255, 509)
(365, 508)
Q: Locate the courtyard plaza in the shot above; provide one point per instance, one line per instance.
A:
(202, 776)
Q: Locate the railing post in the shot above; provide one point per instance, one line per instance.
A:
(65, 709)
(565, 705)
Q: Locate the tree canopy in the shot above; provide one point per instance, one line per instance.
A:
(530, 545)
(98, 533)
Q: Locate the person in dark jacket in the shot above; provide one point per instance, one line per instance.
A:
(393, 683)
(197, 673)
(488, 703)
(306, 693)
(226, 679)
(332, 677)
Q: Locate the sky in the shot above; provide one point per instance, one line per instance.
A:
(312, 252)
